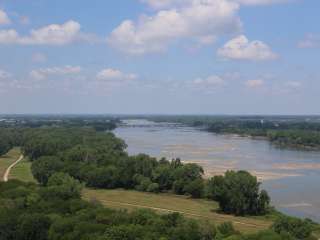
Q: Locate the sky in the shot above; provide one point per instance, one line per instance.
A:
(160, 56)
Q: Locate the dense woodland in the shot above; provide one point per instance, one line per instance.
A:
(56, 212)
(67, 158)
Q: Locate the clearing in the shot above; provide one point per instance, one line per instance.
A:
(6, 160)
(165, 203)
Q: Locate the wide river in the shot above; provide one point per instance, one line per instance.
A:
(291, 177)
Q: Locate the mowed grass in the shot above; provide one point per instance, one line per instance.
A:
(22, 171)
(165, 203)
(7, 159)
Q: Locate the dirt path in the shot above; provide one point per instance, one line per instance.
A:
(6, 174)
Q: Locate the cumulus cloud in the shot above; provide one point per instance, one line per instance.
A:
(8, 36)
(255, 83)
(4, 19)
(197, 19)
(163, 4)
(261, 2)
(54, 71)
(310, 41)
(293, 84)
(207, 84)
(53, 34)
(110, 74)
(241, 48)
(4, 74)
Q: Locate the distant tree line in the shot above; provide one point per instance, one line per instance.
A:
(291, 132)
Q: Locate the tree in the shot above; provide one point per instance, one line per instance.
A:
(4, 146)
(195, 188)
(300, 229)
(33, 227)
(238, 193)
(63, 186)
(44, 167)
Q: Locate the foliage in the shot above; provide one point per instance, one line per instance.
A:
(238, 193)
(295, 227)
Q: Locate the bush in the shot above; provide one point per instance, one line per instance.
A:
(195, 188)
(300, 229)
(153, 187)
(226, 229)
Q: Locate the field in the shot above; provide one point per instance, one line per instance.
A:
(7, 160)
(22, 171)
(166, 203)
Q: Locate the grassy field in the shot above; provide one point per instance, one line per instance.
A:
(7, 160)
(22, 171)
(165, 203)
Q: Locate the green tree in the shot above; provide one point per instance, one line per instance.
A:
(300, 229)
(44, 167)
(33, 227)
(63, 186)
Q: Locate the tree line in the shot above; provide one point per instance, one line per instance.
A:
(289, 132)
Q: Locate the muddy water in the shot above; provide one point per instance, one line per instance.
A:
(291, 177)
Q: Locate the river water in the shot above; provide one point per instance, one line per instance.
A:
(291, 177)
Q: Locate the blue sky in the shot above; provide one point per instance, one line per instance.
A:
(160, 56)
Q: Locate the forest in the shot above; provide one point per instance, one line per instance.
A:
(56, 212)
(67, 158)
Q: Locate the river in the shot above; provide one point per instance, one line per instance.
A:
(291, 177)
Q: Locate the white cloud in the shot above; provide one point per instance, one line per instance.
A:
(4, 74)
(261, 2)
(53, 34)
(310, 41)
(294, 84)
(241, 49)
(163, 4)
(8, 36)
(46, 72)
(4, 19)
(110, 74)
(255, 83)
(198, 19)
(207, 84)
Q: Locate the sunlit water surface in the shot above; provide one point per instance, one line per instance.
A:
(291, 177)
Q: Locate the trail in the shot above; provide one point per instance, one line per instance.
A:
(7, 173)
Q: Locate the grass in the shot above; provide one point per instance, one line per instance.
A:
(164, 203)
(22, 171)
(8, 159)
